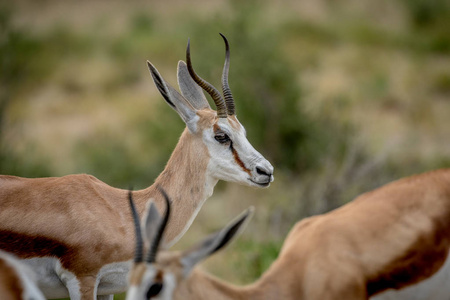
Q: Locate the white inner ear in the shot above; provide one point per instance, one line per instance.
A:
(189, 89)
(184, 109)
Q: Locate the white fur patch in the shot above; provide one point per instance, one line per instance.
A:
(52, 278)
(48, 271)
(113, 278)
(26, 276)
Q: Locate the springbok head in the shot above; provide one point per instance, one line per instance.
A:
(164, 276)
(231, 156)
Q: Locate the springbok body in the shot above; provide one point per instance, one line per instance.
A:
(76, 231)
(391, 243)
(17, 281)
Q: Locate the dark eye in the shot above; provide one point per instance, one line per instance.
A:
(222, 138)
(154, 290)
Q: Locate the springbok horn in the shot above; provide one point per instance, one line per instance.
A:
(209, 88)
(138, 256)
(229, 102)
(151, 257)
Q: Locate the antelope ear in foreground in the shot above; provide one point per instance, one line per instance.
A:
(215, 241)
(154, 228)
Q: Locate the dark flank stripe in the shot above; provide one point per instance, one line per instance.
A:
(418, 263)
(27, 246)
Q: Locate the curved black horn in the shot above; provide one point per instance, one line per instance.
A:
(229, 101)
(209, 88)
(151, 257)
(138, 256)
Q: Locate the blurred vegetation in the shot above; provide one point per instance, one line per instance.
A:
(341, 96)
(16, 70)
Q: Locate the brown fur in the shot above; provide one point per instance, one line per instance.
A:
(86, 223)
(26, 246)
(137, 273)
(391, 237)
(238, 160)
(234, 122)
(208, 117)
(10, 283)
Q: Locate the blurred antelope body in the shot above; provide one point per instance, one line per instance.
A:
(76, 232)
(17, 281)
(391, 242)
(436, 287)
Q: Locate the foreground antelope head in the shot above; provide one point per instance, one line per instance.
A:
(165, 277)
(231, 156)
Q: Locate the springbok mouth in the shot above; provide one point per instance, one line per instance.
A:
(262, 184)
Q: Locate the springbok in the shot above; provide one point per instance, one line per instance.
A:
(17, 281)
(76, 232)
(390, 242)
(147, 282)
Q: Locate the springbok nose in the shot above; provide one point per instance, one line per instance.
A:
(263, 171)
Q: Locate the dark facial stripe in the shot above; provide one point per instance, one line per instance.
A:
(239, 161)
(159, 276)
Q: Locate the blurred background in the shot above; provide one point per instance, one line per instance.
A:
(341, 96)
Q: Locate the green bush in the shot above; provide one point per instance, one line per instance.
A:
(267, 94)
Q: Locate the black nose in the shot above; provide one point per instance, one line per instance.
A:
(261, 171)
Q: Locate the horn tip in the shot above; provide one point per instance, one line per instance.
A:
(224, 38)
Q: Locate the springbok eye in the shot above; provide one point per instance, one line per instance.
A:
(222, 138)
(154, 290)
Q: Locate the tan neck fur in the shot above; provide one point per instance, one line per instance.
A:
(274, 284)
(185, 180)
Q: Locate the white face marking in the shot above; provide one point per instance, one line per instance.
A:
(237, 160)
(139, 292)
(169, 287)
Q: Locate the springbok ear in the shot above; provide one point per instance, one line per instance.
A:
(152, 221)
(191, 91)
(186, 111)
(215, 241)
